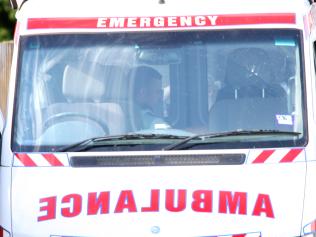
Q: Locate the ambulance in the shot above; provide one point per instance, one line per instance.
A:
(161, 118)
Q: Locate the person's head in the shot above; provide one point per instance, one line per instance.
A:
(147, 91)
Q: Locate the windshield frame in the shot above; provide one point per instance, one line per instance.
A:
(302, 141)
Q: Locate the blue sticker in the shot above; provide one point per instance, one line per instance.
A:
(285, 42)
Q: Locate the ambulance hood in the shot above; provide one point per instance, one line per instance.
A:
(264, 192)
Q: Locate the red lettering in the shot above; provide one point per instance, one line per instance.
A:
(263, 205)
(170, 200)
(96, 203)
(154, 202)
(202, 201)
(126, 201)
(49, 208)
(75, 204)
(175, 201)
(232, 202)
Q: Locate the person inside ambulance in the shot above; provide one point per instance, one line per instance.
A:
(147, 98)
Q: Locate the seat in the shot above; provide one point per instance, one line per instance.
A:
(251, 99)
(83, 115)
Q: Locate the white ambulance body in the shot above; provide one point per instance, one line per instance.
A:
(228, 149)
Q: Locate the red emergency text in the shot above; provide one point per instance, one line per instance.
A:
(170, 200)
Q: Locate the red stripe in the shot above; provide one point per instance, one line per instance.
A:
(52, 160)
(313, 227)
(160, 22)
(291, 155)
(263, 156)
(25, 159)
(250, 19)
(241, 235)
(61, 23)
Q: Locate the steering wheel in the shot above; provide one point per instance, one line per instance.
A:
(73, 116)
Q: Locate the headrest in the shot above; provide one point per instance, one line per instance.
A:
(246, 66)
(80, 86)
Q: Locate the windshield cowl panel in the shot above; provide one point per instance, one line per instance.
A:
(149, 90)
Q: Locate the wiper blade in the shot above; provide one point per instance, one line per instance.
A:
(228, 134)
(95, 141)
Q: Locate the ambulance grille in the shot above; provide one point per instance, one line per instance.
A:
(157, 160)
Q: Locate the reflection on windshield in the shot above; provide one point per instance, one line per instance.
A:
(76, 87)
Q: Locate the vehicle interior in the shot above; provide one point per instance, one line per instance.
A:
(212, 81)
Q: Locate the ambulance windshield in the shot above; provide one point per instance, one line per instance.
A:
(73, 87)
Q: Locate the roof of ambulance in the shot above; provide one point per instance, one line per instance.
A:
(101, 8)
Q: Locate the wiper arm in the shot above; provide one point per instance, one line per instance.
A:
(228, 134)
(95, 141)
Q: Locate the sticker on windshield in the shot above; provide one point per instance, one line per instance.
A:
(284, 119)
(284, 42)
(161, 126)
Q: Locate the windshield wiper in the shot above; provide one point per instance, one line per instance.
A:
(95, 141)
(177, 145)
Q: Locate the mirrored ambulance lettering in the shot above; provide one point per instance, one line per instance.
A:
(71, 205)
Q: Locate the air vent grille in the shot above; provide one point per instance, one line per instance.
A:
(157, 160)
